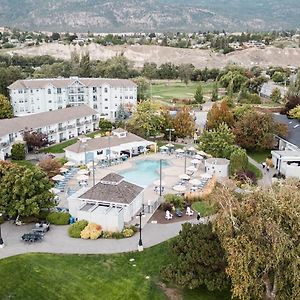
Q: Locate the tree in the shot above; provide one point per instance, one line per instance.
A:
(199, 259)
(295, 112)
(292, 102)
(278, 77)
(218, 142)
(215, 93)
(142, 89)
(199, 95)
(238, 161)
(122, 113)
(18, 151)
(276, 95)
(6, 109)
(255, 131)
(105, 125)
(85, 65)
(184, 123)
(185, 72)
(259, 231)
(150, 70)
(24, 191)
(50, 166)
(219, 113)
(35, 139)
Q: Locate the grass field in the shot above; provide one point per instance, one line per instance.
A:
(59, 148)
(89, 277)
(24, 163)
(260, 156)
(176, 89)
(203, 208)
(255, 170)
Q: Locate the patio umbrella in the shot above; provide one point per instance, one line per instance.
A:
(170, 145)
(206, 175)
(179, 150)
(195, 182)
(83, 172)
(191, 169)
(179, 188)
(69, 164)
(58, 178)
(195, 161)
(201, 153)
(82, 177)
(63, 170)
(184, 177)
(192, 149)
(157, 183)
(163, 148)
(198, 156)
(54, 191)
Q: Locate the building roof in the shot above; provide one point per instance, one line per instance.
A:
(104, 142)
(112, 177)
(65, 82)
(124, 192)
(268, 87)
(218, 161)
(44, 119)
(119, 130)
(293, 135)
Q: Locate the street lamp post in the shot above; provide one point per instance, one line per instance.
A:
(140, 245)
(160, 177)
(170, 133)
(185, 160)
(93, 172)
(1, 240)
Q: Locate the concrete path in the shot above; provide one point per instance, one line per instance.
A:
(267, 175)
(58, 241)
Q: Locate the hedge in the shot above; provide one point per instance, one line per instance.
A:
(58, 218)
(76, 228)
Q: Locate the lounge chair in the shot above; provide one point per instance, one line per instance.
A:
(168, 215)
(189, 212)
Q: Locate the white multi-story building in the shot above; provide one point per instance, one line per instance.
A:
(33, 96)
(59, 126)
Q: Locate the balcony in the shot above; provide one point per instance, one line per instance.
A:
(4, 145)
(87, 122)
(79, 123)
(52, 131)
(71, 126)
(62, 128)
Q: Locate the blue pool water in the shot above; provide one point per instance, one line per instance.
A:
(143, 173)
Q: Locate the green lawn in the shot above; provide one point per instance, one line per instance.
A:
(203, 208)
(24, 163)
(52, 276)
(255, 170)
(59, 148)
(259, 156)
(163, 143)
(170, 90)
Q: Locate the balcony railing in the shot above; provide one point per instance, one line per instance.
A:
(72, 126)
(62, 128)
(52, 131)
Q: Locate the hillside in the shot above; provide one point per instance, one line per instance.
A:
(149, 15)
(270, 56)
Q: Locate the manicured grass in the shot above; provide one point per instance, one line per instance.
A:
(163, 143)
(255, 170)
(51, 276)
(170, 90)
(203, 208)
(260, 156)
(93, 134)
(59, 148)
(24, 163)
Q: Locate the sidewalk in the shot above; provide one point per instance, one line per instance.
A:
(58, 241)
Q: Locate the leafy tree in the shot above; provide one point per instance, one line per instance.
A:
(199, 95)
(295, 112)
(238, 160)
(229, 90)
(292, 102)
(142, 89)
(240, 111)
(218, 114)
(255, 131)
(150, 70)
(50, 166)
(199, 259)
(234, 77)
(85, 65)
(259, 231)
(35, 139)
(276, 95)
(168, 71)
(105, 125)
(23, 191)
(219, 142)
(122, 113)
(215, 93)
(6, 109)
(117, 67)
(279, 77)
(146, 120)
(184, 123)
(18, 151)
(185, 72)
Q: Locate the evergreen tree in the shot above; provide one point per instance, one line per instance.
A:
(215, 93)
(6, 110)
(199, 95)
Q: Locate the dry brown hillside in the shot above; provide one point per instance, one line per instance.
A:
(200, 58)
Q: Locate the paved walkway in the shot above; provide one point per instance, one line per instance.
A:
(58, 241)
(267, 175)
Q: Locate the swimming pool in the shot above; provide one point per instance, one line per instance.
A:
(144, 172)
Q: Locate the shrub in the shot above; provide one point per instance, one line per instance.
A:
(58, 218)
(127, 232)
(238, 160)
(175, 200)
(91, 231)
(18, 151)
(246, 177)
(1, 219)
(166, 206)
(76, 228)
(117, 235)
(107, 234)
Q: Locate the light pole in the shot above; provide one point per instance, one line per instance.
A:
(93, 172)
(1, 240)
(160, 177)
(170, 133)
(140, 245)
(184, 160)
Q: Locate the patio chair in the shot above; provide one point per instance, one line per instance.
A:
(189, 212)
(168, 215)
(178, 213)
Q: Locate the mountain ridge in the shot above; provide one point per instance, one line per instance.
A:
(149, 15)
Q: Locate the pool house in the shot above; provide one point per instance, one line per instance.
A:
(120, 143)
(111, 203)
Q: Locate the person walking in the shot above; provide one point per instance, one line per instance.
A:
(198, 216)
(268, 168)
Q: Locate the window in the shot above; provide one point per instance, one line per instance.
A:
(50, 101)
(131, 97)
(49, 91)
(31, 91)
(95, 106)
(94, 98)
(105, 90)
(20, 91)
(58, 90)
(106, 107)
(105, 99)
(94, 89)
(126, 97)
